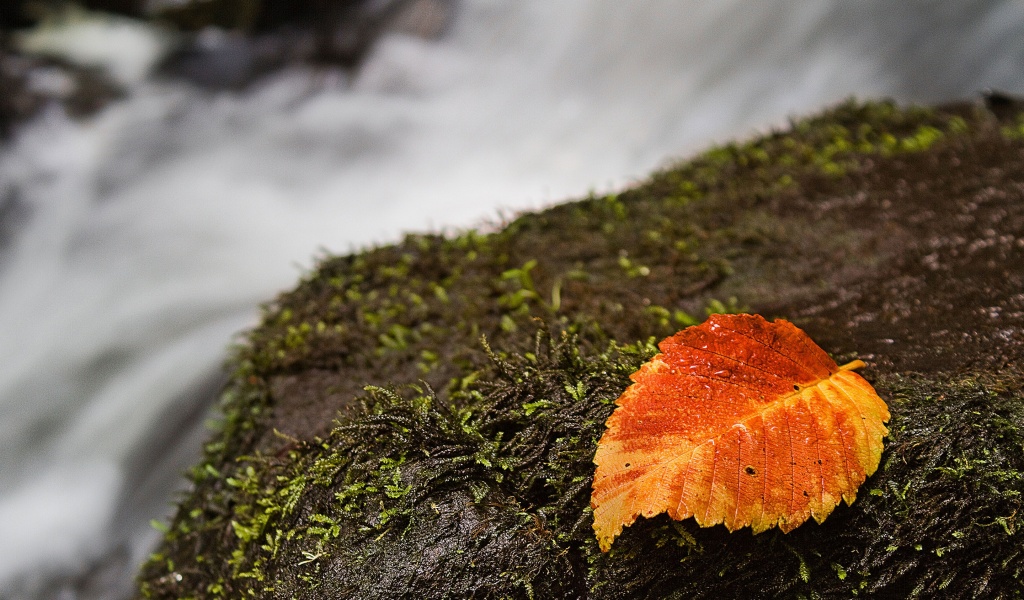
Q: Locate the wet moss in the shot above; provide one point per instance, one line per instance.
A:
(419, 419)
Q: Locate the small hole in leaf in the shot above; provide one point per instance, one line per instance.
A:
(627, 465)
(796, 387)
(751, 471)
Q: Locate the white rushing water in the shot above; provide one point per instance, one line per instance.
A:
(149, 233)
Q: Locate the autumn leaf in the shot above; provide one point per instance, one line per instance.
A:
(738, 421)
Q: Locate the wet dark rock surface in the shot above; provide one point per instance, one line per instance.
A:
(930, 276)
(892, 235)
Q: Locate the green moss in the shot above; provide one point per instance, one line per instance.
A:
(458, 468)
(1014, 130)
(523, 438)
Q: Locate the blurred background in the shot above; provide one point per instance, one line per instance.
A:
(168, 165)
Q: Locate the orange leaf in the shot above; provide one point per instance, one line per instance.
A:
(738, 421)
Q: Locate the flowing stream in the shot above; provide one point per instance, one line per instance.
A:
(136, 244)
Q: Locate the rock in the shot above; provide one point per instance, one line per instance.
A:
(17, 103)
(49, 54)
(30, 83)
(15, 14)
(419, 420)
(218, 59)
(124, 49)
(231, 48)
(13, 213)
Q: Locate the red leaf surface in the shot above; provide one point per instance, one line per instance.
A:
(738, 421)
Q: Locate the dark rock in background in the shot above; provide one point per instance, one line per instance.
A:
(17, 103)
(12, 213)
(222, 44)
(30, 83)
(246, 44)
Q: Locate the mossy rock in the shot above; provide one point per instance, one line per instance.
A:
(419, 420)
